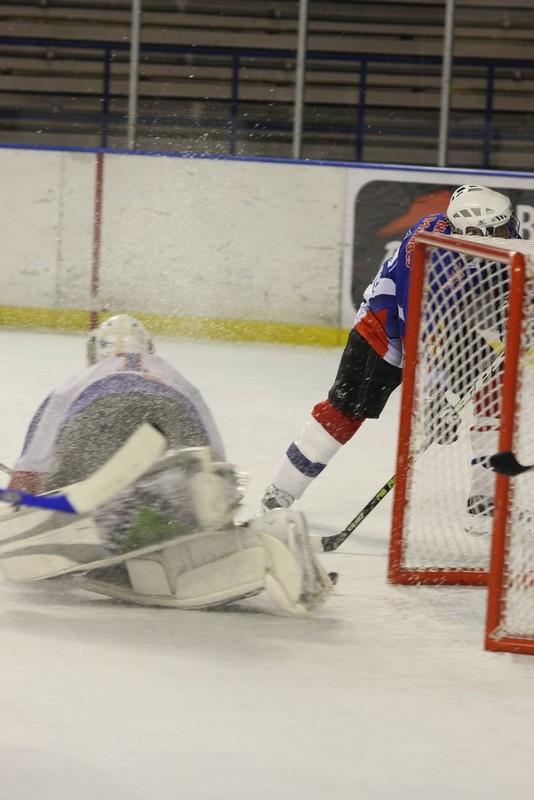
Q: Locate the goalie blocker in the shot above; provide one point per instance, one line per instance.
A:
(169, 540)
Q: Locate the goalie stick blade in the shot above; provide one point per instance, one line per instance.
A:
(133, 459)
(507, 464)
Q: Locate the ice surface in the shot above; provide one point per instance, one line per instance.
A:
(386, 695)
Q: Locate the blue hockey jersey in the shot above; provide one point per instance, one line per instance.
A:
(381, 317)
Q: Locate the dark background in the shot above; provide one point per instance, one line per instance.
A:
(384, 210)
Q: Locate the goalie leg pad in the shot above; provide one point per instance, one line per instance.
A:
(206, 570)
(296, 580)
(194, 572)
(212, 568)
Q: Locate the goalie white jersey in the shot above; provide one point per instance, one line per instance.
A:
(134, 376)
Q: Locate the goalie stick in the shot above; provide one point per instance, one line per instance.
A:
(330, 543)
(506, 463)
(135, 456)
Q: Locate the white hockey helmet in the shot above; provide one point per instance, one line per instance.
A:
(118, 334)
(482, 211)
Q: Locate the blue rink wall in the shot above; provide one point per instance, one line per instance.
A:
(229, 248)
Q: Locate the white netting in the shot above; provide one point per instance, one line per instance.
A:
(465, 304)
(444, 519)
(448, 513)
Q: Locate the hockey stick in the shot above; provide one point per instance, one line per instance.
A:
(506, 463)
(138, 453)
(330, 543)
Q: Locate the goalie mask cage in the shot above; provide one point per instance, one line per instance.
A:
(470, 339)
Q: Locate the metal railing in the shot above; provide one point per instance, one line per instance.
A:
(364, 64)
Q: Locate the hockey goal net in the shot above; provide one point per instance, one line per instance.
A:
(468, 392)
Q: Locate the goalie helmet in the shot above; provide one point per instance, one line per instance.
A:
(118, 334)
(482, 211)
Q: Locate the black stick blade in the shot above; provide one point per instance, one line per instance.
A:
(507, 464)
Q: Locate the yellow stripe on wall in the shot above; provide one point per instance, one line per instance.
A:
(44, 318)
(234, 330)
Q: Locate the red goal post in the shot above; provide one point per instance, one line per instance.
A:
(470, 339)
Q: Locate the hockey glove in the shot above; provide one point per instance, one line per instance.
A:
(441, 420)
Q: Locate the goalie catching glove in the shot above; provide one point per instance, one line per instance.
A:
(441, 421)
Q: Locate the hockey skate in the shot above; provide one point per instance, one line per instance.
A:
(480, 514)
(274, 498)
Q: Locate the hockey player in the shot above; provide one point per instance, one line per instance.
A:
(371, 364)
(83, 421)
(170, 538)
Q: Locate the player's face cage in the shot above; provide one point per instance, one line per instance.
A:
(508, 230)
